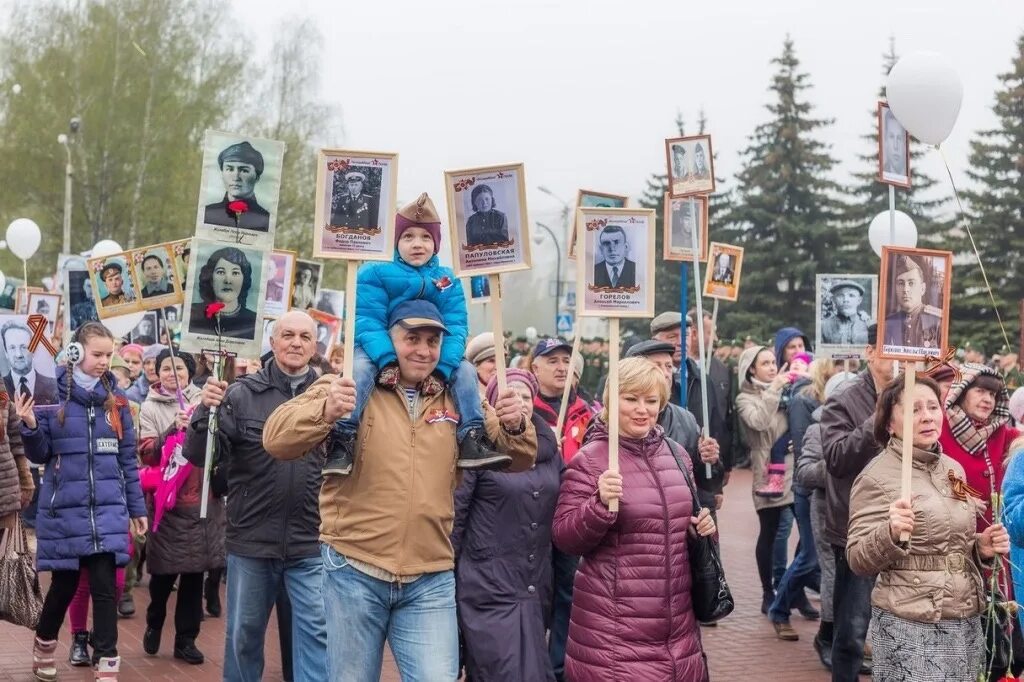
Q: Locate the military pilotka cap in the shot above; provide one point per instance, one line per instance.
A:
(110, 266)
(417, 314)
(667, 320)
(420, 213)
(906, 264)
(243, 152)
(846, 283)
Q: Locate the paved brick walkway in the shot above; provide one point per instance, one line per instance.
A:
(743, 644)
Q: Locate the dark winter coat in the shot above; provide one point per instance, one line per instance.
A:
(632, 615)
(273, 509)
(502, 541)
(14, 469)
(90, 486)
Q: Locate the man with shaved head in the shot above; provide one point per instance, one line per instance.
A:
(273, 527)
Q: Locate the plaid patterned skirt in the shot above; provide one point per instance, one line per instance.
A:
(907, 651)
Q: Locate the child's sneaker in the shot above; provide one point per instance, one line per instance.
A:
(108, 668)
(477, 453)
(340, 454)
(44, 667)
(775, 484)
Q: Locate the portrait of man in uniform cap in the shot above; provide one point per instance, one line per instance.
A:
(845, 308)
(112, 276)
(354, 202)
(916, 294)
(241, 167)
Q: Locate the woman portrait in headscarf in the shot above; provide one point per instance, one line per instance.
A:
(487, 225)
(225, 278)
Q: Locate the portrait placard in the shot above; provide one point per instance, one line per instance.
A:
(239, 168)
(21, 298)
(691, 165)
(586, 198)
(233, 275)
(677, 228)
(9, 295)
(893, 149)
(914, 287)
(24, 370)
(845, 306)
(155, 272)
(722, 276)
(79, 304)
(328, 330)
(479, 287)
(332, 302)
(48, 305)
(487, 219)
(146, 331)
(355, 205)
(114, 285)
(306, 285)
(268, 329)
(616, 274)
(280, 282)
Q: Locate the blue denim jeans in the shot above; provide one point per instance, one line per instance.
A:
(462, 383)
(253, 587)
(416, 619)
(564, 573)
(852, 614)
(780, 550)
(804, 569)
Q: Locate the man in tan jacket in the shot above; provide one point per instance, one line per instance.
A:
(385, 528)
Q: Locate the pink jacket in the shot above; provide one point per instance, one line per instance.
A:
(632, 616)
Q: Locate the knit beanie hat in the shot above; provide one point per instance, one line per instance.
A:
(420, 213)
(131, 348)
(512, 376)
(152, 352)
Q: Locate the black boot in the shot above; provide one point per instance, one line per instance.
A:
(476, 452)
(151, 641)
(79, 653)
(341, 454)
(186, 650)
(766, 601)
(126, 607)
(212, 591)
(803, 605)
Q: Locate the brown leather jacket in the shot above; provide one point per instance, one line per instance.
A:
(936, 577)
(395, 510)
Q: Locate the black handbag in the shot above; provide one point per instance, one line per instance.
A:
(709, 592)
(996, 627)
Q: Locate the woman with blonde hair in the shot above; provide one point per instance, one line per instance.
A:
(927, 600)
(632, 615)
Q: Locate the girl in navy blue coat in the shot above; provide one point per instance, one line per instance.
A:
(414, 274)
(89, 491)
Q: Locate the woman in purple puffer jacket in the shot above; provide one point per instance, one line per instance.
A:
(632, 616)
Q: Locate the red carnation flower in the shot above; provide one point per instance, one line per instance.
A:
(213, 309)
(237, 207)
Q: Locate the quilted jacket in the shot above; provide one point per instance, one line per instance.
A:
(382, 286)
(632, 615)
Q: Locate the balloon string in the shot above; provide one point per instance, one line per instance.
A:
(967, 227)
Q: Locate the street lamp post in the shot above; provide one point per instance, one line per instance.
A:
(558, 270)
(69, 172)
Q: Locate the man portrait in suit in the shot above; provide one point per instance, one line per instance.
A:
(615, 271)
(723, 271)
(23, 377)
(915, 324)
(241, 167)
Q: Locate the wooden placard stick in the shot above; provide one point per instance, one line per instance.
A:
(910, 369)
(499, 333)
(568, 388)
(703, 353)
(351, 278)
(613, 401)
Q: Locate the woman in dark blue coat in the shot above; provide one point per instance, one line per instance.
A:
(89, 490)
(502, 541)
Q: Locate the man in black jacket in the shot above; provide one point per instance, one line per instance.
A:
(273, 509)
(847, 424)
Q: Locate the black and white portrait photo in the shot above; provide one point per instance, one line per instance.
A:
(332, 302)
(306, 285)
(690, 165)
(145, 332)
(683, 217)
(893, 149)
(233, 277)
(48, 305)
(30, 373)
(238, 168)
(280, 278)
(81, 305)
(617, 269)
(722, 275)
(487, 219)
(591, 199)
(845, 306)
(914, 293)
(355, 206)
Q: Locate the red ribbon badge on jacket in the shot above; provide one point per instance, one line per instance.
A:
(37, 323)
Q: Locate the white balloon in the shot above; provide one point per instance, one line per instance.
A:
(123, 324)
(925, 92)
(106, 247)
(879, 235)
(23, 238)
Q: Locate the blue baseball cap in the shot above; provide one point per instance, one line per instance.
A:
(417, 314)
(549, 345)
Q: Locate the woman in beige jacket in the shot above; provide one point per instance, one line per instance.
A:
(929, 594)
(764, 423)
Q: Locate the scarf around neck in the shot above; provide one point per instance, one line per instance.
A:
(971, 435)
(84, 380)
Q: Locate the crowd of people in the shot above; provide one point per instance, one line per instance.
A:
(480, 525)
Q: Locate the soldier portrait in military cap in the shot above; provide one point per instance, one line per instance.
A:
(914, 291)
(355, 205)
(244, 169)
(845, 306)
(113, 285)
(682, 218)
(690, 166)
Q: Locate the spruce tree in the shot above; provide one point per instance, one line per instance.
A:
(786, 211)
(996, 199)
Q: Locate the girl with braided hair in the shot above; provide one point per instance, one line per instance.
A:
(90, 489)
